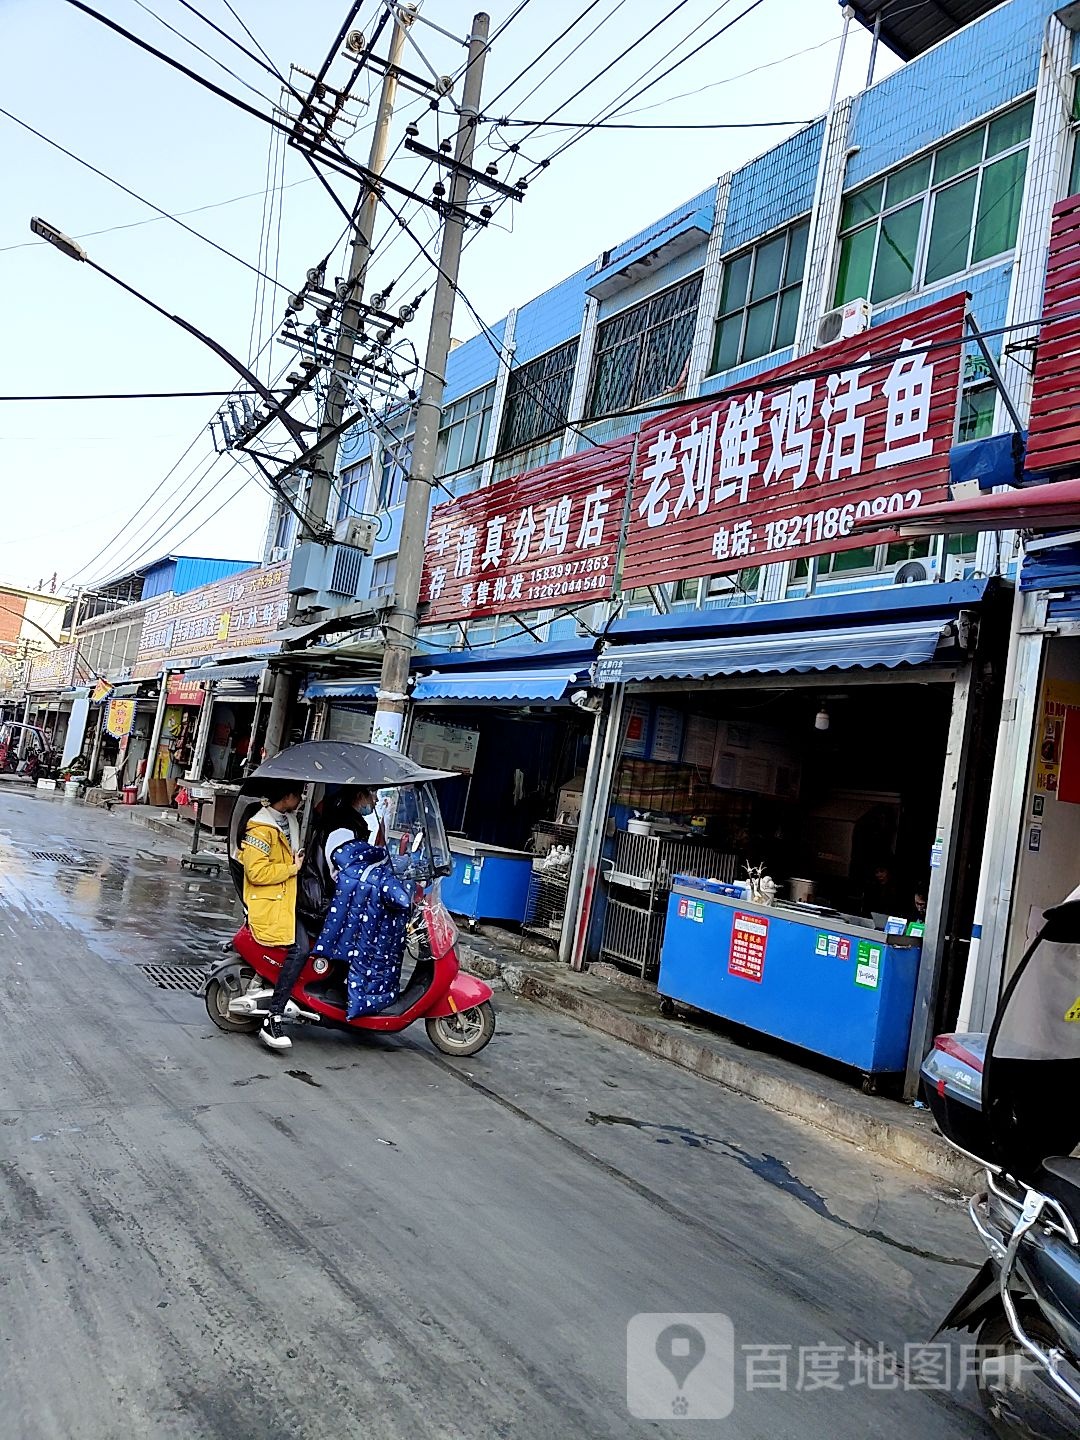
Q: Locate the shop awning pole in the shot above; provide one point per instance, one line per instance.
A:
(202, 734)
(95, 754)
(592, 837)
(943, 876)
(155, 738)
(588, 803)
(1005, 820)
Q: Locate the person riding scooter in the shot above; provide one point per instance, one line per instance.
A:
(271, 858)
(345, 814)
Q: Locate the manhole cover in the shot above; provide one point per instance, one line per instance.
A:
(54, 857)
(175, 977)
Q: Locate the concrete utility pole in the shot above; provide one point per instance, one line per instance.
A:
(319, 490)
(401, 626)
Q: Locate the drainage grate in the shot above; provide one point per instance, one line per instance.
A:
(54, 857)
(175, 977)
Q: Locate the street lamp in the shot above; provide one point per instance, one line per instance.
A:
(74, 251)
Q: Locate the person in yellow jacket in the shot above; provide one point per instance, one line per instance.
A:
(271, 858)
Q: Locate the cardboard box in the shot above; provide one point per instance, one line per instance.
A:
(568, 809)
(158, 793)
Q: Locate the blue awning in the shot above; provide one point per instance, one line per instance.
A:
(340, 690)
(856, 648)
(525, 685)
(243, 670)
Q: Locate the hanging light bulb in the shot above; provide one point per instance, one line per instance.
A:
(821, 719)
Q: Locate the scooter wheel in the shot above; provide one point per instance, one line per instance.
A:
(218, 996)
(1020, 1403)
(464, 1033)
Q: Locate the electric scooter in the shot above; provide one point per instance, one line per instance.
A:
(1009, 1101)
(455, 1007)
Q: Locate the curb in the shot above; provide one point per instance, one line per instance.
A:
(912, 1144)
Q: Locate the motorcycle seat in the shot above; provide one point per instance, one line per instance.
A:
(1059, 1177)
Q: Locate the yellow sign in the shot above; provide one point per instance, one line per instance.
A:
(1058, 698)
(1072, 1015)
(119, 718)
(102, 690)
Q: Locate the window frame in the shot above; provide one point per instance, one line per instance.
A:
(784, 287)
(355, 486)
(469, 407)
(395, 463)
(386, 585)
(525, 381)
(927, 198)
(639, 392)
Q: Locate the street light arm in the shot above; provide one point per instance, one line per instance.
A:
(294, 426)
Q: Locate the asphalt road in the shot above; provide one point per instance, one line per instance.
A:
(201, 1239)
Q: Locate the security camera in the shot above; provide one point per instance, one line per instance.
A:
(584, 701)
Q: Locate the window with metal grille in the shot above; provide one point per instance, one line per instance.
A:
(759, 298)
(645, 350)
(463, 433)
(538, 397)
(355, 484)
(938, 215)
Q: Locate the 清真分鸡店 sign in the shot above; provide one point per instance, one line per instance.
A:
(236, 613)
(546, 538)
(855, 432)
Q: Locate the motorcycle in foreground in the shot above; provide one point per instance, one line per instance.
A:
(456, 1007)
(1011, 1101)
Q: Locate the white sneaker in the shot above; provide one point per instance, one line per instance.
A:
(273, 1034)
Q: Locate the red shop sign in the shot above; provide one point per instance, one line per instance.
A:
(833, 438)
(546, 538)
(1054, 430)
(184, 692)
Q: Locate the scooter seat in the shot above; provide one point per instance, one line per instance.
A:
(1059, 1177)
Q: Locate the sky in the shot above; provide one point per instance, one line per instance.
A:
(91, 488)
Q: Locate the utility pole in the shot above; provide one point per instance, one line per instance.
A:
(318, 494)
(401, 626)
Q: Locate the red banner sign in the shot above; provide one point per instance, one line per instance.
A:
(546, 538)
(1053, 442)
(184, 692)
(859, 430)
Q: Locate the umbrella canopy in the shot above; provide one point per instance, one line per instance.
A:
(342, 762)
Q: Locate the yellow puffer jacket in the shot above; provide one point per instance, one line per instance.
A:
(269, 884)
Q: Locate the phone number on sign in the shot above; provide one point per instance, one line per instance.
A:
(789, 532)
(574, 585)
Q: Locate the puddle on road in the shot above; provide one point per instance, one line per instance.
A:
(773, 1172)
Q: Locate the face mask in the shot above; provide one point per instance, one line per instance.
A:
(367, 810)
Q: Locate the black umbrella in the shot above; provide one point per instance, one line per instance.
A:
(343, 762)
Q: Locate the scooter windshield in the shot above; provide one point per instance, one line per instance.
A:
(1032, 1072)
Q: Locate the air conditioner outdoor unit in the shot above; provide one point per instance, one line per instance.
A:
(358, 531)
(915, 572)
(843, 322)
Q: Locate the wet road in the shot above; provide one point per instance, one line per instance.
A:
(200, 1239)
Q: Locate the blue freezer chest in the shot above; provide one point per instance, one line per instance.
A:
(487, 882)
(841, 992)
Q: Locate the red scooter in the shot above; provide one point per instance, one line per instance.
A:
(455, 1007)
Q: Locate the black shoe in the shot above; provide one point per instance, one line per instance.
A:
(273, 1034)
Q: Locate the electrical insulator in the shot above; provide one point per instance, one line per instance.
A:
(492, 170)
(438, 190)
(486, 212)
(412, 130)
(445, 147)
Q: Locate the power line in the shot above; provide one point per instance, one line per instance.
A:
(586, 125)
(131, 395)
(164, 214)
(154, 219)
(196, 46)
